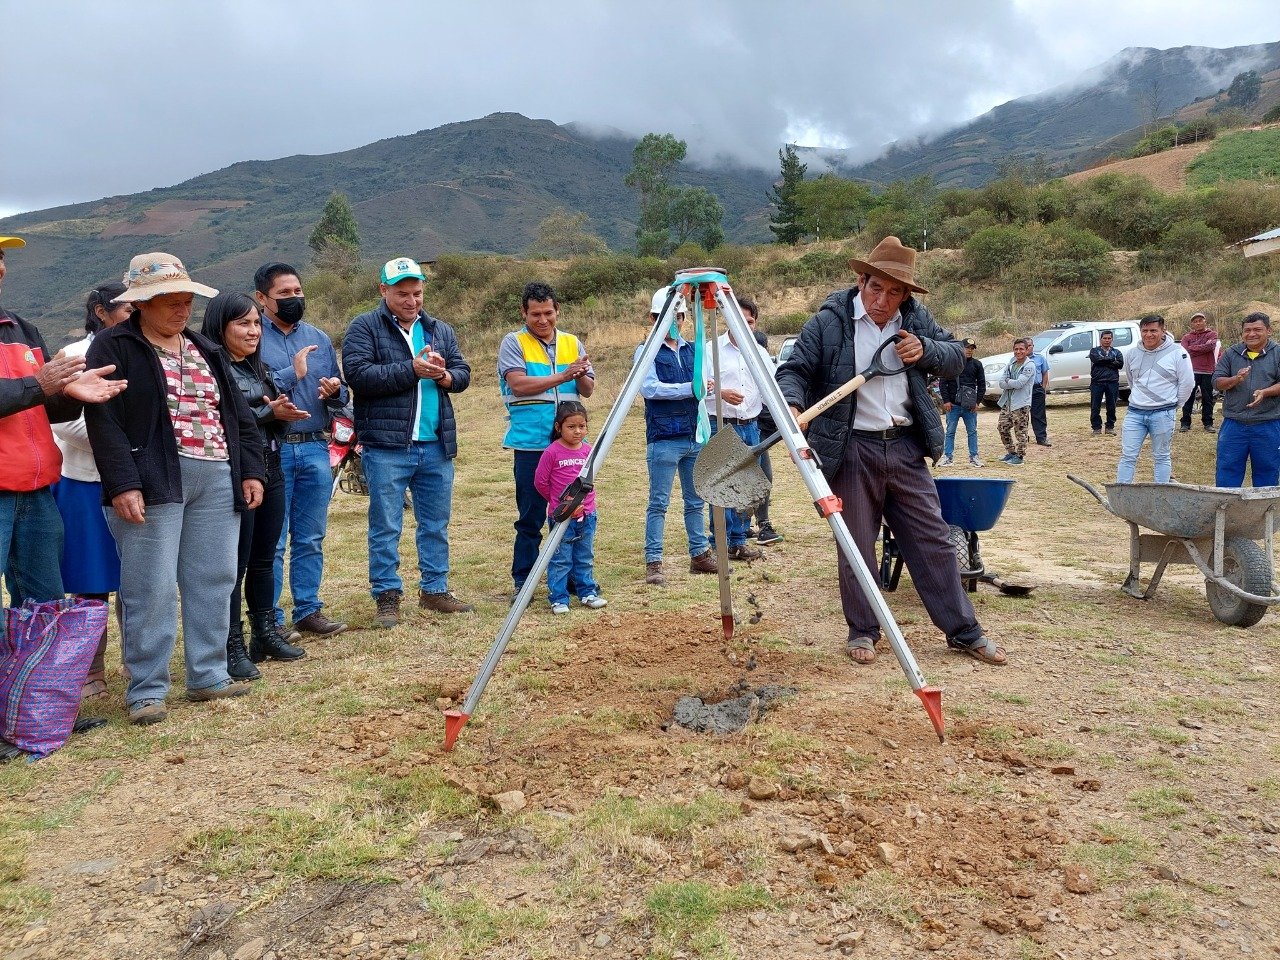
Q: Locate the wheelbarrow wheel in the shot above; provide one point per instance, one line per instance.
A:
(1244, 564)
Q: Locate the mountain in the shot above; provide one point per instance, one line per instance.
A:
(1133, 88)
(481, 185)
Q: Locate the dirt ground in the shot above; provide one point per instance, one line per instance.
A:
(1113, 792)
(1166, 170)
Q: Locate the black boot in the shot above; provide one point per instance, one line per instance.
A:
(238, 664)
(266, 643)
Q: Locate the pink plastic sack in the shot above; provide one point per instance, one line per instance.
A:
(45, 654)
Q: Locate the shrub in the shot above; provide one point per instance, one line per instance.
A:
(1189, 240)
(1078, 307)
(731, 258)
(1063, 255)
(992, 250)
(608, 276)
(469, 270)
(1124, 209)
(1241, 209)
(816, 266)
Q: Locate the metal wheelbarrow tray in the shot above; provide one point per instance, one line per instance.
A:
(1214, 528)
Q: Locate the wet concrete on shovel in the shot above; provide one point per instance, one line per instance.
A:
(742, 705)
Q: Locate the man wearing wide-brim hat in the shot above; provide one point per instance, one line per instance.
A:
(36, 389)
(873, 443)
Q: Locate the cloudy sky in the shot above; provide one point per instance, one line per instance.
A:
(101, 97)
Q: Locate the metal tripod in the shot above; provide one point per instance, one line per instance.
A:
(712, 286)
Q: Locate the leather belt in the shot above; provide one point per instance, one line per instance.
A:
(741, 423)
(304, 437)
(893, 433)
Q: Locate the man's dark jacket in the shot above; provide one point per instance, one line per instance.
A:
(823, 360)
(971, 376)
(1105, 367)
(378, 365)
(132, 433)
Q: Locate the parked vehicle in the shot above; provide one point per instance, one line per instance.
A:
(788, 344)
(1066, 346)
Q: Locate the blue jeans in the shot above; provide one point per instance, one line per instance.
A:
(187, 547)
(1258, 443)
(576, 556)
(665, 458)
(307, 485)
(531, 514)
(970, 418)
(389, 471)
(736, 523)
(31, 545)
(1138, 424)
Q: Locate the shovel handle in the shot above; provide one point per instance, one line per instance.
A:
(831, 399)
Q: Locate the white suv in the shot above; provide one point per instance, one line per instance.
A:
(1066, 346)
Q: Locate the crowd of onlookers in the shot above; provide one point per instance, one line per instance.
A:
(177, 467)
(1164, 376)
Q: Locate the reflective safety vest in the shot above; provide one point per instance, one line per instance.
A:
(532, 417)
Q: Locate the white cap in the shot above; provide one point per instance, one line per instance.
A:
(660, 299)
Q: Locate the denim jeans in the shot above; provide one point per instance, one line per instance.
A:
(1239, 443)
(736, 523)
(665, 458)
(31, 545)
(187, 547)
(423, 468)
(531, 514)
(970, 418)
(576, 556)
(307, 485)
(1138, 424)
(1098, 392)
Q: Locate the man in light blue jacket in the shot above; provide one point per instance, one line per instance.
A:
(1016, 383)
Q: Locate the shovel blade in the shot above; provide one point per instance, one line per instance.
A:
(726, 475)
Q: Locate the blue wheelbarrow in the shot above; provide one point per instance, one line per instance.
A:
(970, 505)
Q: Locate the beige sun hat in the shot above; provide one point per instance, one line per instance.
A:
(151, 274)
(890, 260)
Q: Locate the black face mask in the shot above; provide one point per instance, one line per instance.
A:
(289, 310)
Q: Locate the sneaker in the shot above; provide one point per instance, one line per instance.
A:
(388, 614)
(1185, 428)
(1006, 458)
(1110, 431)
(704, 562)
(1014, 461)
(594, 602)
(219, 691)
(320, 625)
(558, 608)
(975, 462)
(944, 462)
(743, 552)
(1210, 428)
(768, 535)
(1044, 443)
(1097, 433)
(147, 711)
(444, 602)
(653, 573)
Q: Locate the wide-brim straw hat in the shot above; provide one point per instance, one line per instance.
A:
(151, 274)
(890, 260)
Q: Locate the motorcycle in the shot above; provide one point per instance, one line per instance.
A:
(344, 457)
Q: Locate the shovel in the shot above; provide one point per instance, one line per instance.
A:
(727, 472)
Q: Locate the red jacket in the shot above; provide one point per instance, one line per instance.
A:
(29, 459)
(1201, 348)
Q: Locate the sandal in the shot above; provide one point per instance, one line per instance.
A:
(984, 649)
(862, 650)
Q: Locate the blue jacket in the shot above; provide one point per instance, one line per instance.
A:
(379, 369)
(672, 419)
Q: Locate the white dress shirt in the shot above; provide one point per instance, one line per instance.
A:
(885, 402)
(736, 375)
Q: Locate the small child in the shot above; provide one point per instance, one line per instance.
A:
(560, 464)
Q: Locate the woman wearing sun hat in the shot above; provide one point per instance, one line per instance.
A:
(180, 456)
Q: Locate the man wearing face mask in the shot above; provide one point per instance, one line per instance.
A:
(304, 366)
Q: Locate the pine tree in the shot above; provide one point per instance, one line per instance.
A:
(336, 229)
(785, 223)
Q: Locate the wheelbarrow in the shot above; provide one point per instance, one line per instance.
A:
(969, 505)
(1213, 528)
